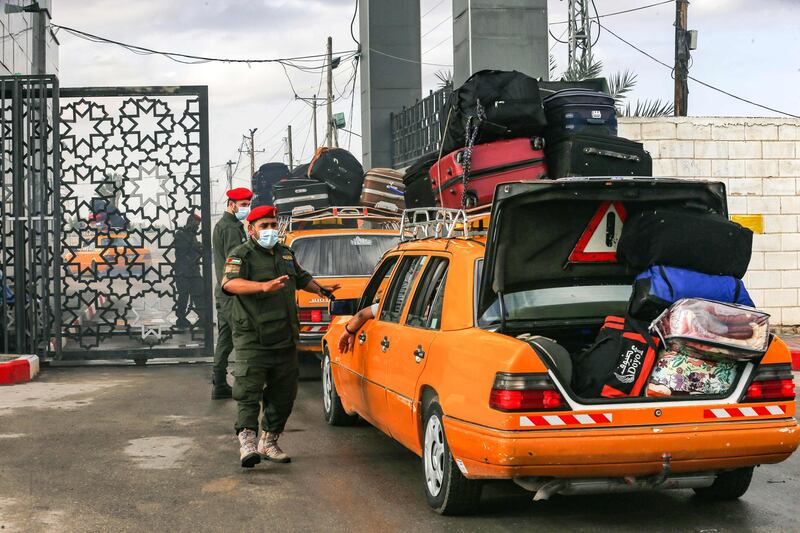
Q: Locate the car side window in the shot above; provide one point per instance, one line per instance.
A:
(401, 284)
(426, 307)
(377, 284)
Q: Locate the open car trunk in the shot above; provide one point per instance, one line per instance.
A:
(550, 267)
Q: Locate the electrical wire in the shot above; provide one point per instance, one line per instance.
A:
(352, 105)
(708, 85)
(597, 21)
(428, 12)
(353, 21)
(449, 17)
(437, 45)
(405, 59)
(195, 59)
(621, 12)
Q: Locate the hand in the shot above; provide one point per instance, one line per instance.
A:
(346, 341)
(274, 285)
(327, 290)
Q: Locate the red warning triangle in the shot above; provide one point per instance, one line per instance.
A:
(598, 243)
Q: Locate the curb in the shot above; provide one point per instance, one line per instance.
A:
(21, 369)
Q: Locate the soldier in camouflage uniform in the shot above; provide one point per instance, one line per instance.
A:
(228, 234)
(263, 277)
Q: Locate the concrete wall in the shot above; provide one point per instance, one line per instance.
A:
(759, 161)
(16, 40)
(499, 34)
(387, 28)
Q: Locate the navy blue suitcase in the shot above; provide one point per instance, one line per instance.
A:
(581, 110)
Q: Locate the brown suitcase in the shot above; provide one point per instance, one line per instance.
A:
(384, 189)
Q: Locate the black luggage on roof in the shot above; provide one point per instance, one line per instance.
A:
(585, 154)
(342, 173)
(304, 195)
(580, 110)
(264, 179)
(510, 100)
(418, 191)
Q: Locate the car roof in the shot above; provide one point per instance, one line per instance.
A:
(338, 231)
(456, 245)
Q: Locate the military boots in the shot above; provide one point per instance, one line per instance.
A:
(269, 449)
(248, 453)
(220, 390)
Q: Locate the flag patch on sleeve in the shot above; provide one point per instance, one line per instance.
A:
(233, 261)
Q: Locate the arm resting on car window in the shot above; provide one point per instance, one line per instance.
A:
(347, 339)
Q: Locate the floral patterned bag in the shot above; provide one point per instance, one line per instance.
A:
(677, 372)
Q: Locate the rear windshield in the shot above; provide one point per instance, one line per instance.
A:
(342, 255)
(571, 302)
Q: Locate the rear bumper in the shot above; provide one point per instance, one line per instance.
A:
(311, 342)
(490, 453)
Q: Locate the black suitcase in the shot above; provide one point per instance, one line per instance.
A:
(418, 192)
(300, 196)
(694, 240)
(581, 110)
(546, 88)
(585, 154)
(341, 171)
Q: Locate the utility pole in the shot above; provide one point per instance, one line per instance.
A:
(580, 33)
(251, 149)
(681, 58)
(329, 134)
(230, 174)
(314, 119)
(289, 144)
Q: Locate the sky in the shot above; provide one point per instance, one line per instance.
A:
(745, 47)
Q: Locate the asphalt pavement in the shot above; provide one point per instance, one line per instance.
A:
(123, 448)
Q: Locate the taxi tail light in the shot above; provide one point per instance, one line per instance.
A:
(525, 392)
(771, 382)
(313, 315)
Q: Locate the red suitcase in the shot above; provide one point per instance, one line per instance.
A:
(492, 163)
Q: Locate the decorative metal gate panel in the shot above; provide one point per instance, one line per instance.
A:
(137, 276)
(29, 279)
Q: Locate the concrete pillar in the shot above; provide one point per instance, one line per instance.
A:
(499, 34)
(388, 28)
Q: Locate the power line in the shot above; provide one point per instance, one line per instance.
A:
(449, 17)
(620, 12)
(405, 59)
(437, 45)
(352, 34)
(180, 57)
(699, 81)
(428, 12)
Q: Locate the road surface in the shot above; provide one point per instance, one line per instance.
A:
(123, 448)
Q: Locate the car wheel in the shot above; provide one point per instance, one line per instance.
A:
(335, 414)
(447, 490)
(729, 485)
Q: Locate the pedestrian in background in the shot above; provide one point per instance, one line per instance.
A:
(264, 275)
(228, 234)
(188, 281)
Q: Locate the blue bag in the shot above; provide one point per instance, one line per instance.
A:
(659, 286)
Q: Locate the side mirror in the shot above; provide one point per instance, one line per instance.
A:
(344, 307)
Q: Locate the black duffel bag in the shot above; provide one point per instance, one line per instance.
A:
(341, 172)
(695, 240)
(418, 190)
(510, 101)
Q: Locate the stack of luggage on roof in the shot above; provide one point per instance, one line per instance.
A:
(502, 126)
(690, 325)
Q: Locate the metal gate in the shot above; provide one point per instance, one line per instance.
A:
(134, 184)
(29, 279)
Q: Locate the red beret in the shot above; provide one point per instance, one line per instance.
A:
(242, 193)
(262, 211)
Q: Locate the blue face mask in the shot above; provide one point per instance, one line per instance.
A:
(242, 212)
(267, 238)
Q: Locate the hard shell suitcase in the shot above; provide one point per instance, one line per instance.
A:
(264, 179)
(492, 163)
(585, 154)
(300, 196)
(384, 189)
(418, 192)
(581, 110)
(683, 238)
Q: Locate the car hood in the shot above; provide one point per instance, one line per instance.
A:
(537, 227)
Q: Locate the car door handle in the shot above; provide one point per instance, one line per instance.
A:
(419, 354)
(362, 338)
(385, 344)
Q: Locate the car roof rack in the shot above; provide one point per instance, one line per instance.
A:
(382, 218)
(443, 223)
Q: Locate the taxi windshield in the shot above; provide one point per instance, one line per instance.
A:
(347, 255)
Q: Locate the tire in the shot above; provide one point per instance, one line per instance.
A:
(335, 415)
(729, 485)
(447, 490)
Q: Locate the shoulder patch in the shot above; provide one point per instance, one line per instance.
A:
(288, 257)
(233, 261)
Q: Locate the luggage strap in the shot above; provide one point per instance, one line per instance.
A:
(471, 136)
(611, 153)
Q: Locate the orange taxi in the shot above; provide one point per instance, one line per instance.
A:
(446, 369)
(111, 254)
(337, 245)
